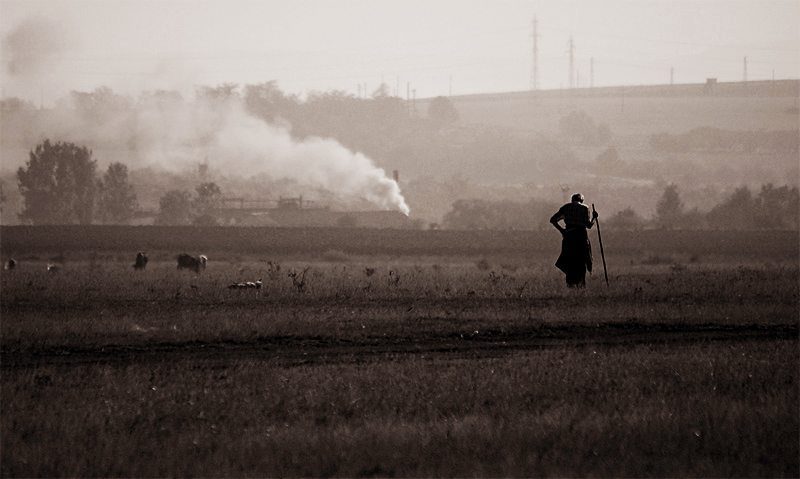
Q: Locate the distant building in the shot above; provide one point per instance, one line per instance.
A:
(296, 212)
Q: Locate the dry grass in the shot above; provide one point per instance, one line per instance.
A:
(660, 411)
(84, 306)
(415, 366)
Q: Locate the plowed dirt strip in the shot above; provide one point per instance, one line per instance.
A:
(292, 351)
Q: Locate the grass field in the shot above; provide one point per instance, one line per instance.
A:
(378, 353)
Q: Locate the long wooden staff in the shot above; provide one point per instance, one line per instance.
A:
(600, 239)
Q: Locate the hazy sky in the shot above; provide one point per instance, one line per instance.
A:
(436, 46)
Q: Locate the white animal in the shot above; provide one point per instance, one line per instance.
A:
(53, 268)
(246, 285)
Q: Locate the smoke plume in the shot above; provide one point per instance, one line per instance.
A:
(237, 143)
(28, 47)
(162, 130)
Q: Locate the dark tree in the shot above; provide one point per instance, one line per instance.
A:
(442, 112)
(579, 126)
(381, 92)
(117, 198)
(102, 99)
(175, 208)
(209, 198)
(16, 104)
(669, 209)
(58, 184)
(161, 100)
(268, 102)
(218, 95)
(773, 208)
(778, 208)
(469, 215)
(609, 161)
(626, 219)
(735, 213)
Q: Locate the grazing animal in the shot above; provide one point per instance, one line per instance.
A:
(10, 264)
(247, 285)
(141, 261)
(186, 261)
(53, 268)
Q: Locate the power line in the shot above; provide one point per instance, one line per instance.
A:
(586, 35)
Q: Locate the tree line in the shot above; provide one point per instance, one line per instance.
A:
(431, 150)
(60, 185)
(773, 208)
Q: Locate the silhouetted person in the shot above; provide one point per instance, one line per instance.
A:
(576, 251)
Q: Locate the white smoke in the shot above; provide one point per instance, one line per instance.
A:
(36, 41)
(163, 131)
(237, 143)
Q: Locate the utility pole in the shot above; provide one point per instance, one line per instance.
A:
(535, 66)
(744, 76)
(591, 73)
(672, 76)
(450, 93)
(408, 97)
(571, 63)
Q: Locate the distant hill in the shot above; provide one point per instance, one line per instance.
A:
(634, 112)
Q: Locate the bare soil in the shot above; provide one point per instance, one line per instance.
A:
(289, 351)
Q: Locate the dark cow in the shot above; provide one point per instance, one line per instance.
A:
(11, 264)
(197, 264)
(141, 261)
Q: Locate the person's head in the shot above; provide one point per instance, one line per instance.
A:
(577, 198)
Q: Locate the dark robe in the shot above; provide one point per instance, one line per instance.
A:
(576, 256)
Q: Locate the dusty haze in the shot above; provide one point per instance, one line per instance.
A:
(417, 50)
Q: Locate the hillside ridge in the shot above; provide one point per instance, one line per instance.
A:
(762, 88)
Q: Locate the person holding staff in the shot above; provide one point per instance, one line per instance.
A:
(576, 251)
